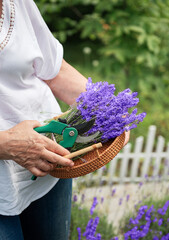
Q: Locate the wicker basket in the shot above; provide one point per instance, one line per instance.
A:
(92, 160)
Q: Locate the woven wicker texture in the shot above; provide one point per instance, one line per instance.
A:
(92, 160)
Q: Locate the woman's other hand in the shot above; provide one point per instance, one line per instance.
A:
(32, 150)
(127, 137)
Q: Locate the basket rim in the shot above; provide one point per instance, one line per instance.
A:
(116, 140)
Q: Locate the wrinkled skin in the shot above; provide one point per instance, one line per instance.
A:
(32, 150)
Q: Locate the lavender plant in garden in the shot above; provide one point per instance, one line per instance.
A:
(141, 227)
(90, 233)
(150, 216)
(95, 202)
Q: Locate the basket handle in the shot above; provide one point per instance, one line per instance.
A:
(84, 150)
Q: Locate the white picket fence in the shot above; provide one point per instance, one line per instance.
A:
(147, 162)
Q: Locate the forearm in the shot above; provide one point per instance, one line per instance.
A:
(3, 141)
(68, 84)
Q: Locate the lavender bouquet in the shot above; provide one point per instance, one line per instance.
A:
(112, 114)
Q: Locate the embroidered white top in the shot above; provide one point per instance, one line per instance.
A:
(28, 54)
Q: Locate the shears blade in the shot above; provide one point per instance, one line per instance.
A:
(84, 127)
(81, 139)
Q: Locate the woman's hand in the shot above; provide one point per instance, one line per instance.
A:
(127, 137)
(32, 150)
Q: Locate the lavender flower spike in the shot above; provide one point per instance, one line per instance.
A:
(111, 112)
(95, 202)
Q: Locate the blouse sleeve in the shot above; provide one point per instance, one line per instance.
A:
(49, 65)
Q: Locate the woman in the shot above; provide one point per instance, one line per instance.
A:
(32, 74)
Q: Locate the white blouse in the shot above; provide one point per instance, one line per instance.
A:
(28, 54)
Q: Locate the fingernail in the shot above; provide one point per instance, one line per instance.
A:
(71, 164)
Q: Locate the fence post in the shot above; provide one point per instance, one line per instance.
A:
(135, 161)
(159, 149)
(112, 170)
(148, 150)
(166, 164)
(124, 163)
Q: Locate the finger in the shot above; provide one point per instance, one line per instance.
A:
(45, 166)
(33, 123)
(56, 159)
(37, 172)
(55, 147)
(127, 137)
(30, 124)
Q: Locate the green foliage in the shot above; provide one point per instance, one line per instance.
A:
(129, 39)
(81, 216)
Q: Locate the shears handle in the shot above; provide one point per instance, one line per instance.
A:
(52, 127)
(69, 133)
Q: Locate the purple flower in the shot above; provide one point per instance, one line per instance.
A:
(95, 202)
(98, 236)
(140, 184)
(120, 201)
(127, 197)
(91, 229)
(162, 211)
(146, 177)
(111, 113)
(113, 192)
(89, 224)
(75, 198)
(160, 221)
(166, 237)
(155, 238)
(79, 233)
(104, 168)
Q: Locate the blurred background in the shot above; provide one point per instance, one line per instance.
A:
(124, 42)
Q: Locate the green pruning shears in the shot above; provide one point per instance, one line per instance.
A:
(71, 134)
